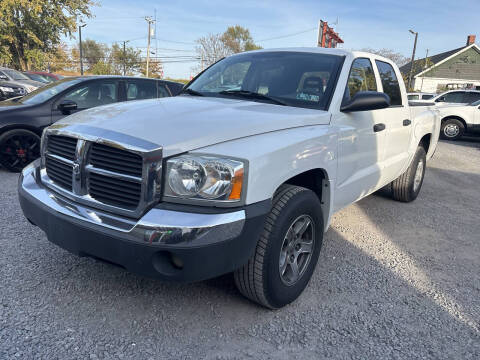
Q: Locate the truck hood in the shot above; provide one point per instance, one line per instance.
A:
(185, 123)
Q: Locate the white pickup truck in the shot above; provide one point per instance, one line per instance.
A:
(240, 173)
(458, 119)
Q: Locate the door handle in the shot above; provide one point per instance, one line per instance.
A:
(378, 127)
(407, 122)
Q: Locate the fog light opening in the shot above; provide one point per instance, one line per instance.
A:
(176, 261)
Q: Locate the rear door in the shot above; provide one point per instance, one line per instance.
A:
(142, 89)
(397, 121)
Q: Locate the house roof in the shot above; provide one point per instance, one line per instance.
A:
(433, 60)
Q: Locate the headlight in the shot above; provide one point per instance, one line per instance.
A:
(6, 89)
(204, 177)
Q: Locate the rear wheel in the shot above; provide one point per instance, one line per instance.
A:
(407, 186)
(287, 251)
(18, 148)
(452, 129)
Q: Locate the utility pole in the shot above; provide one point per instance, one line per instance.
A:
(80, 47)
(125, 57)
(149, 21)
(413, 59)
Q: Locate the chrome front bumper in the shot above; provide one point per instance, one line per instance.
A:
(157, 226)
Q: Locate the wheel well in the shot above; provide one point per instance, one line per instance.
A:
(21, 127)
(425, 142)
(457, 118)
(312, 179)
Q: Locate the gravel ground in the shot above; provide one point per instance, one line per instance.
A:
(394, 280)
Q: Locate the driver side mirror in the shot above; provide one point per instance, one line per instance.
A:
(67, 106)
(3, 77)
(440, 99)
(366, 100)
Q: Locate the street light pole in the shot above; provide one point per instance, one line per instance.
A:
(413, 59)
(149, 20)
(80, 47)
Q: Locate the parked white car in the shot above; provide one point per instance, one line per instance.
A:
(459, 119)
(241, 173)
(415, 96)
(463, 97)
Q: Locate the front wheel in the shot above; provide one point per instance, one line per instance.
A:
(287, 251)
(18, 148)
(407, 186)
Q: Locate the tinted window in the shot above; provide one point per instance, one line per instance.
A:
(93, 94)
(47, 92)
(162, 91)
(471, 97)
(140, 90)
(427, 97)
(452, 97)
(361, 78)
(413, 97)
(294, 78)
(389, 82)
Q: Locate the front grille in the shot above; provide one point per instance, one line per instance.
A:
(114, 191)
(63, 146)
(116, 160)
(59, 172)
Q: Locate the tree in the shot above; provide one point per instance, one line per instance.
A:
(155, 69)
(128, 60)
(31, 29)
(210, 49)
(238, 39)
(94, 52)
(397, 58)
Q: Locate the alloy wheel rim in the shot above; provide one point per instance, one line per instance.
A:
(418, 176)
(297, 248)
(18, 151)
(451, 130)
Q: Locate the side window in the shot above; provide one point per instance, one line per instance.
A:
(426, 97)
(93, 94)
(453, 97)
(141, 89)
(413, 97)
(361, 78)
(162, 91)
(471, 97)
(389, 82)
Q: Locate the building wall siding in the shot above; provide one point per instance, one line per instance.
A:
(464, 66)
(432, 85)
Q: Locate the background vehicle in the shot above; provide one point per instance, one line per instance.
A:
(456, 97)
(459, 119)
(420, 96)
(9, 89)
(242, 172)
(23, 119)
(19, 78)
(43, 76)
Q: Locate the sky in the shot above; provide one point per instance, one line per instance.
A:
(442, 24)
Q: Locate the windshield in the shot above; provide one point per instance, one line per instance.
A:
(292, 78)
(15, 75)
(47, 92)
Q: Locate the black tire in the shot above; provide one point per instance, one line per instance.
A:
(18, 148)
(452, 129)
(404, 188)
(260, 280)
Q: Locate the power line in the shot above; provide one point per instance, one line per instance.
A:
(288, 35)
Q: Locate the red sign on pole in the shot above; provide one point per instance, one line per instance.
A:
(327, 38)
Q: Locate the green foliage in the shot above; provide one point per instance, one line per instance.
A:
(31, 29)
(238, 39)
(130, 59)
(101, 68)
(93, 53)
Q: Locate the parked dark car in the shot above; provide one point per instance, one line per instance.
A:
(21, 79)
(23, 119)
(10, 89)
(43, 76)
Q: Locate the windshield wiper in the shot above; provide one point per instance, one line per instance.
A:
(252, 95)
(191, 92)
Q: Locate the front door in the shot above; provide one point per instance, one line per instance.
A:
(87, 95)
(361, 140)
